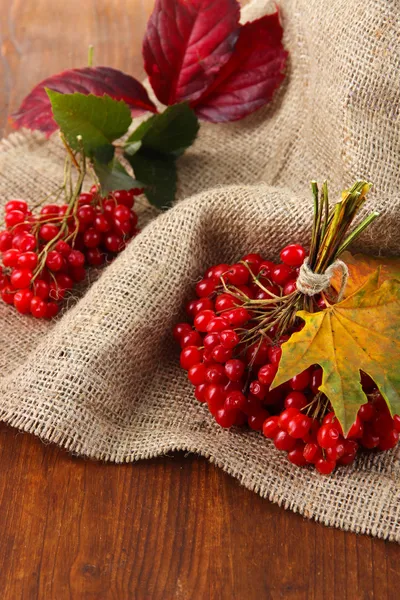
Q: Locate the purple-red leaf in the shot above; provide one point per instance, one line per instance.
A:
(35, 110)
(186, 44)
(248, 80)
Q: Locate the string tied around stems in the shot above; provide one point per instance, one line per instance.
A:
(310, 283)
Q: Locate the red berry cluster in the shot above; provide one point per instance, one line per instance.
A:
(232, 372)
(44, 255)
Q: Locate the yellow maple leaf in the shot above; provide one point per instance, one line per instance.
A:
(361, 267)
(361, 332)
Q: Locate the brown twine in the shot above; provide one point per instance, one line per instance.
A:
(310, 283)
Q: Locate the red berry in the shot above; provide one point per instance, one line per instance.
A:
(396, 422)
(229, 338)
(180, 330)
(5, 240)
(335, 452)
(121, 212)
(87, 197)
(125, 197)
(328, 435)
(286, 416)
(202, 319)
(76, 258)
(271, 427)
(225, 302)
(102, 224)
(200, 391)
(190, 356)
(265, 268)
(50, 210)
(215, 397)
(266, 374)
(41, 289)
(312, 452)
(78, 273)
(367, 412)
(256, 420)
(283, 441)
(218, 271)
(299, 426)
(296, 456)
(389, 440)
(91, 238)
(215, 373)
(325, 467)
(217, 324)
(290, 287)
(274, 354)
(203, 304)
(281, 274)
(86, 214)
(205, 287)
(20, 205)
(38, 307)
(191, 338)
(197, 374)
(221, 354)
(211, 340)
(21, 278)
(369, 439)
(383, 423)
(238, 274)
(257, 354)
(316, 380)
(301, 381)
(55, 261)
(14, 217)
(51, 310)
(63, 248)
(356, 430)
(293, 255)
(258, 389)
(29, 260)
(95, 257)
(7, 294)
(64, 282)
(10, 257)
(225, 418)
(235, 400)
(296, 400)
(22, 301)
(114, 242)
(27, 243)
(48, 232)
(254, 261)
(236, 317)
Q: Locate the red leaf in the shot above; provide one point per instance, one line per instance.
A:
(35, 110)
(186, 44)
(250, 77)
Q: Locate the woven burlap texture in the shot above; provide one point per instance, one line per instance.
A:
(104, 380)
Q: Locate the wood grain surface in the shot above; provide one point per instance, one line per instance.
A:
(171, 528)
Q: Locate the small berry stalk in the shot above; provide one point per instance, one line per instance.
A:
(47, 249)
(246, 311)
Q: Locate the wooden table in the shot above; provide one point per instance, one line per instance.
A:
(171, 528)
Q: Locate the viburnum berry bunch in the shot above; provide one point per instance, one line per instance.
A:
(240, 321)
(47, 250)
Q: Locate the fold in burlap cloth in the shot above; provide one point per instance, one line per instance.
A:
(104, 380)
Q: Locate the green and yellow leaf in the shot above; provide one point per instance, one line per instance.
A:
(360, 333)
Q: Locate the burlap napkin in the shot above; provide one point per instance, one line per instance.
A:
(104, 380)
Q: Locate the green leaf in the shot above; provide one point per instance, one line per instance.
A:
(158, 173)
(113, 176)
(170, 132)
(98, 119)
